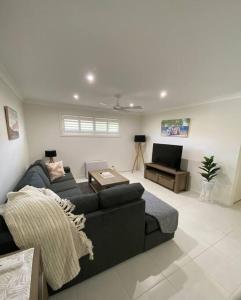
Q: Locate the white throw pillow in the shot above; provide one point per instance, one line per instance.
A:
(56, 170)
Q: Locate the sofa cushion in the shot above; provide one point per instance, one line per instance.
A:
(120, 195)
(30, 178)
(151, 224)
(6, 242)
(41, 173)
(67, 176)
(42, 164)
(85, 203)
(63, 185)
(3, 225)
(69, 194)
(55, 169)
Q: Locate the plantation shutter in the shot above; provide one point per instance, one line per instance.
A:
(113, 126)
(70, 124)
(86, 125)
(80, 125)
(101, 126)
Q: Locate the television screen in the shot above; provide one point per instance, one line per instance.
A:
(167, 155)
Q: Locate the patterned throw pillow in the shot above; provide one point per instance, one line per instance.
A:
(55, 169)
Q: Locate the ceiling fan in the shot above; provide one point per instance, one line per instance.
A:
(117, 106)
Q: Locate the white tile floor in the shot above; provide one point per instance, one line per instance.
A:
(203, 261)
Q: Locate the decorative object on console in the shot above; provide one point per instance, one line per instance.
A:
(55, 169)
(138, 139)
(175, 128)
(51, 154)
(210, 171)
(12, 123)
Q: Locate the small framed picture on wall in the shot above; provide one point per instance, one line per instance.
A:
(175, 128)
(12, 123)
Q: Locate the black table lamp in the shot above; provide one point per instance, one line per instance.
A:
(140, 139)
(51, 154)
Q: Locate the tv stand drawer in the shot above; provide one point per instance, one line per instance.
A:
(166, 181)
(152, 175)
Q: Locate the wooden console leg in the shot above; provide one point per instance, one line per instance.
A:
(136, 159)
(142, 155)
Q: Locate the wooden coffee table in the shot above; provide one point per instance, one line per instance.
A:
(98, 182)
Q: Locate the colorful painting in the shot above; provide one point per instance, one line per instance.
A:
(175, 128)
(12, 123)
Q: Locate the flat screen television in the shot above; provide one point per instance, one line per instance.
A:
(167, 155)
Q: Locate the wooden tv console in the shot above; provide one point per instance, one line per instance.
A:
(176, 181)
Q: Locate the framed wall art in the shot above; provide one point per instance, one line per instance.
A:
(175, 127)
(12, 123)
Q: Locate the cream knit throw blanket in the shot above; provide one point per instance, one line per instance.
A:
(39, 218)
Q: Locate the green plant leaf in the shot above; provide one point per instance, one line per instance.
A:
(204, 169)
(213, 171)
(211, 177)
(205, 175)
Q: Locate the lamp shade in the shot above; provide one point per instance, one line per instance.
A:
(50, 153)
(140, 139)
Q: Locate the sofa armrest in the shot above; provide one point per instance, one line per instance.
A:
(67, 169)
(121, 230)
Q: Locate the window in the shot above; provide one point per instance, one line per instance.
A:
(86, 125)
(101, 126)
(113, 126)
(78, 125)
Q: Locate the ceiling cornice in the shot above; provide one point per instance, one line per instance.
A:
(230, 97)
(9, 82)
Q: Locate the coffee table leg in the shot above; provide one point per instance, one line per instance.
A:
(92, 183)
(89, 177)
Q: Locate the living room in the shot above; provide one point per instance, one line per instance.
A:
(82, 81)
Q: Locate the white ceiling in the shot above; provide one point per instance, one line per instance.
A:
(136, 47)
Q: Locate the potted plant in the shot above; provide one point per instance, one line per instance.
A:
(209, 172)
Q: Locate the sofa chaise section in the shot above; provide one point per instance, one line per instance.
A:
(116, 221)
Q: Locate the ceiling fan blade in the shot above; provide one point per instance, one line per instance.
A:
(118, 108)
(105, 105)
(132, 107)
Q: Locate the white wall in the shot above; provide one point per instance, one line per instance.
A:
(215, 129)
(237, 182)
(43, 130)
(13, 153)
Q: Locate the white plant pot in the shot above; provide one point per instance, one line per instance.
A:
(207, 191)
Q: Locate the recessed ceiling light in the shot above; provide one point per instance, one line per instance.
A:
(76, 96)
(131, 104)
(90, 77)
(163, 94)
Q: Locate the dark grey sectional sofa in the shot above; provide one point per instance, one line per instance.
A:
(116, 220)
